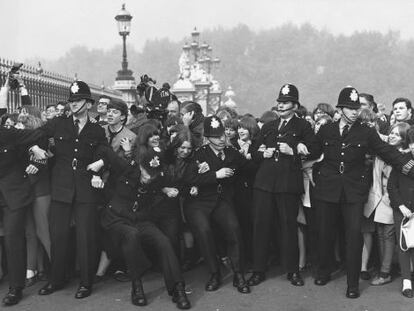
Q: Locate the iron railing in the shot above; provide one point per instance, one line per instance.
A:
(45, 87)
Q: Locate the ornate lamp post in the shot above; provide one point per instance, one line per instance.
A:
(125, 82)
(124, 27)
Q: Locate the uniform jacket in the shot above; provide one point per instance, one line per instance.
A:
(209, 187)
(282, 173)
(343, 169)
(401, 188)
(73, 152)
(116, 142)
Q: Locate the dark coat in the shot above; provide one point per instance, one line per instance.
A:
(210, 188)
(282, 173)
(73, 153)
(401, 188)
(343, 170)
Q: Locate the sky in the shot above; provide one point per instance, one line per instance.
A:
(49, 28)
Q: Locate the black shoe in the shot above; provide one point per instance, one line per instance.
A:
(13, 297)
(352, 293)
(83, 292)
(137, 293)
(42, 276)
(295, 279)
(365, 275)
(213, 283)
(408, 293)
(31, 281)
(179, 297)
(322, 281)
(240, 283)
(256, 278)
(49, 289)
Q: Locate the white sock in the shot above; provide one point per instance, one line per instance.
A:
(407, 284)
(30, 274)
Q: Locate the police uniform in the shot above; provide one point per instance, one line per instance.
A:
(341, 186)
(127, 219)
(73, 194)
(277, 190)
(215, 202)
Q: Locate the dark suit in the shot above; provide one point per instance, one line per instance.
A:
(214, 202)
(72, 193)
(277, 190)
(342, 187)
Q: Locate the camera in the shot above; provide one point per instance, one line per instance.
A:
(13, 82)
(157, 99)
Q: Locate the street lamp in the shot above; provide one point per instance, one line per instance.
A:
(124, 27)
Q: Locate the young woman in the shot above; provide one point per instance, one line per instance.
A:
(379, 206)
(128, 220)
(400, 192)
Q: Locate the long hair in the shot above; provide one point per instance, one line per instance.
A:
(141, 142)
(403, 131)
(30, 122)
(32, 110)
(183, 135)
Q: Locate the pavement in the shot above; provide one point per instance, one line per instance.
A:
(275, 294)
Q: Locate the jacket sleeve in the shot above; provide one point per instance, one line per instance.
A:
(259, 140)
(193, 178)
(393, 190)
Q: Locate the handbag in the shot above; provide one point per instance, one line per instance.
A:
(407, 230)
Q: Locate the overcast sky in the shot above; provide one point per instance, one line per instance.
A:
(48, 28)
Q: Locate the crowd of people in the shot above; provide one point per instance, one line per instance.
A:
(114, 192)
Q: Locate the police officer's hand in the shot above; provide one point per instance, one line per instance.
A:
(97, 182)
(285, 148)
(405, 211)
(194, 191)
(224, 173)
(31, 169)
(126, 144)
(95, 166)
(268, 153)
(302, 149)
(203, 167)
(38, 153)
(170, 192)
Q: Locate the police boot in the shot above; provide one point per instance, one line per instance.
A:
(137, 293)
(180, 298)
(240, 283)
(13, 297)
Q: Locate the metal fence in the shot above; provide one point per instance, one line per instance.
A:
(45, 87)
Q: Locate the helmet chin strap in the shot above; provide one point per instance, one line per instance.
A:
(347, 119)
(80, 107)
(214, 145)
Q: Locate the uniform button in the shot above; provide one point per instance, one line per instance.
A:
(342, 153)
(77, 140)
(343, 144)
(342, 163)
(126, 182)
(76, 150)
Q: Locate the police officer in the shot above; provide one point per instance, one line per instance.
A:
(279, 185)
(77, 144)
(212, 171)
(342, 184)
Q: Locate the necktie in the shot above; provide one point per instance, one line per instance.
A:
(113, 134)
(345, 130)
(77, 127)
(221, 155)
(283, 125)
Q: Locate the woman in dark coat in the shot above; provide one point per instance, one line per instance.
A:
(128, 220)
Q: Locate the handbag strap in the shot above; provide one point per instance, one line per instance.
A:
(401, 235)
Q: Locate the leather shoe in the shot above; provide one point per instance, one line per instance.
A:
(137, 293)
(364, 275)
(83, 292)
(256, 278)
(295, 279)
(49, 289)
(352, 293)
(408, 293)
(322, 281)
(213, 283)
(179, 297)
(13, 297)
(240, 283)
